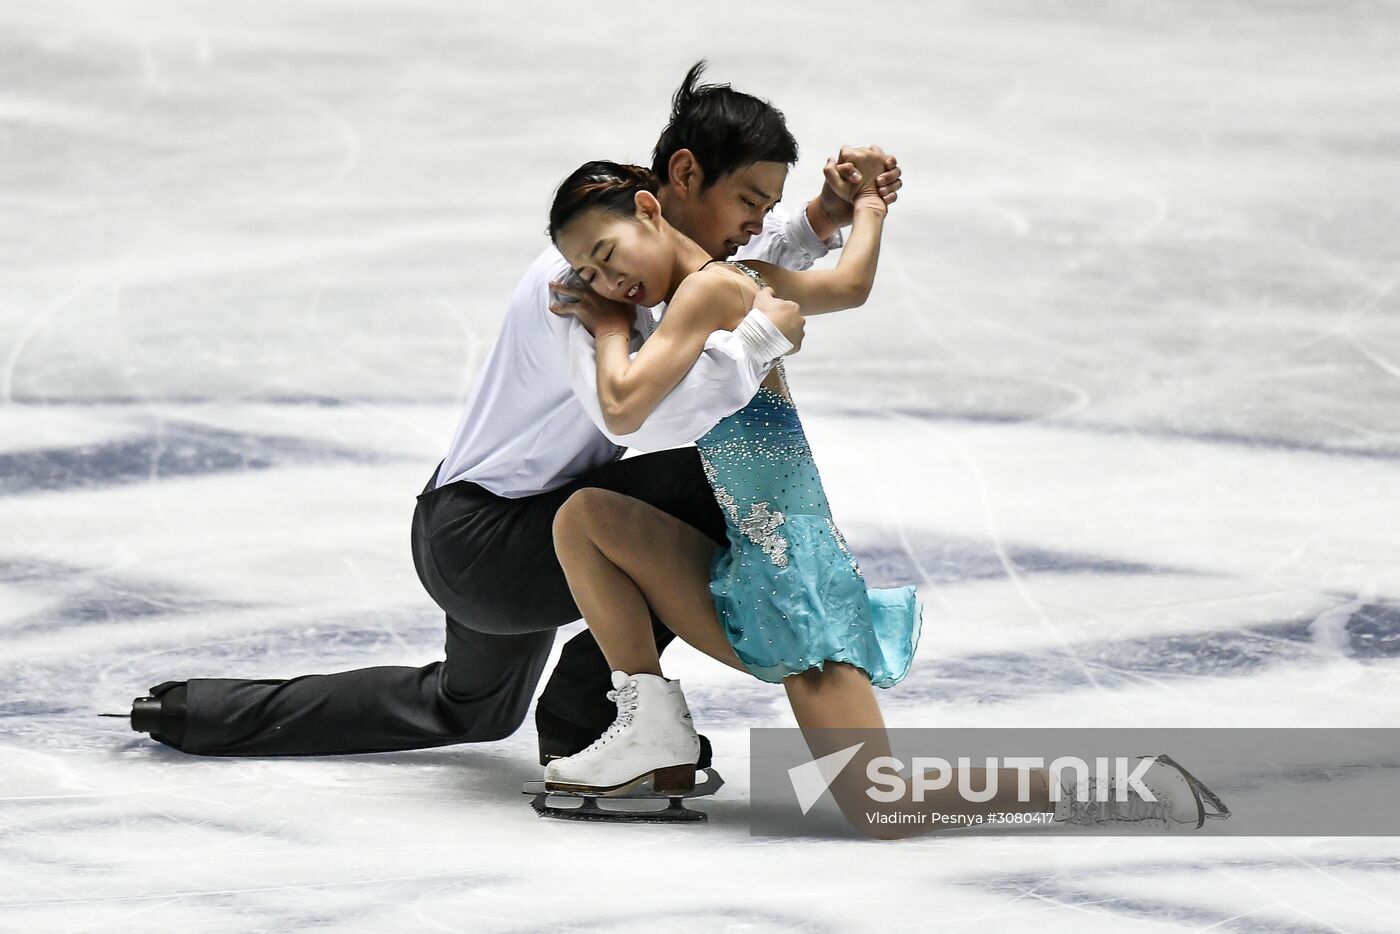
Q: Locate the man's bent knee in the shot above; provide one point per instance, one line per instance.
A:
(481, 722)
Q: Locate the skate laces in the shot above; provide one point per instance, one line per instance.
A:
(626, 699)
(1093, 811)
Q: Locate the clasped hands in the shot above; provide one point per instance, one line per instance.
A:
(857, 172)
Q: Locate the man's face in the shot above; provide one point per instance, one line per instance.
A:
(724, 216)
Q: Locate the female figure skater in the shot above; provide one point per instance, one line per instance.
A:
(785, 601)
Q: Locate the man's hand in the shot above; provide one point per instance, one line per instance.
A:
(846, 174)
(786, 315)
(598, 315)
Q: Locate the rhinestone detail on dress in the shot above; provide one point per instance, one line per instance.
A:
(761, 524)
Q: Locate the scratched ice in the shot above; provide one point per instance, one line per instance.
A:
(1125, 402)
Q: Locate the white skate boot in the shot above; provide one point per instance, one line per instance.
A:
(1180, 802)
(651, 747)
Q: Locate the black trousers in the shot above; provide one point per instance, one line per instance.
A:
(489, 563)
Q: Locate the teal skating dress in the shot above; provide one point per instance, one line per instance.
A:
(787, 589)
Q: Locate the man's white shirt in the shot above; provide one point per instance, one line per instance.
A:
(533, 422)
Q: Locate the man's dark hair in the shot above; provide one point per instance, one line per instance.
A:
(725, 128)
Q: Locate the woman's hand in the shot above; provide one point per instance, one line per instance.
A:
(599, 316)
(869, 163)
(850, 172)
(786, 316)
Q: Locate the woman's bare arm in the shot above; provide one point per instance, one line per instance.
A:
(629, 388)
(848, 285)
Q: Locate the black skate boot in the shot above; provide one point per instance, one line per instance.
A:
(161, 713)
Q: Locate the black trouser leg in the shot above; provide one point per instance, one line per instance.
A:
(371, 709)
(489, 563)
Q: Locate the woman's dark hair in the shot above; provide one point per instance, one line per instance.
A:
(610, 186)
(725, 128)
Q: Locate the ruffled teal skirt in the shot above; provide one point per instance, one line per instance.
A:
(788, 592)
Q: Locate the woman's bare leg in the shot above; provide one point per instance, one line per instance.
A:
(841, 698)
(620, 555)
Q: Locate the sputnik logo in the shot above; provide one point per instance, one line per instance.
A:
(810, 780)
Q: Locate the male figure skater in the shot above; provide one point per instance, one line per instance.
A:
(532, 434)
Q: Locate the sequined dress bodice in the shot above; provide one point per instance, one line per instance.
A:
(788, 591)
(778, 373)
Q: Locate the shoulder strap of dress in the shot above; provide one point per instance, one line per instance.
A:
(752, 273)
(749, 271)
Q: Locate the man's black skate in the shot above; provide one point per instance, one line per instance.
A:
(162, 714)
(587, 809)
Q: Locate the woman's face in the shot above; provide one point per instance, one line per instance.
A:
(627, 259)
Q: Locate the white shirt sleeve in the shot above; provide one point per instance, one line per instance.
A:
(788, 241)
(721, 382)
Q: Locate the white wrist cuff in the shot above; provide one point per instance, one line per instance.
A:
(762, 337)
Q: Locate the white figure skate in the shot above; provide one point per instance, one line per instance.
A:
(1180, 803)
(649, 752)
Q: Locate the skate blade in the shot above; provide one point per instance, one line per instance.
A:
(668, 780)
(641, 788)
(1203, 794)
(588, 810)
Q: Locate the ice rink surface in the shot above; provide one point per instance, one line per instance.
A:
(1125, 403)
